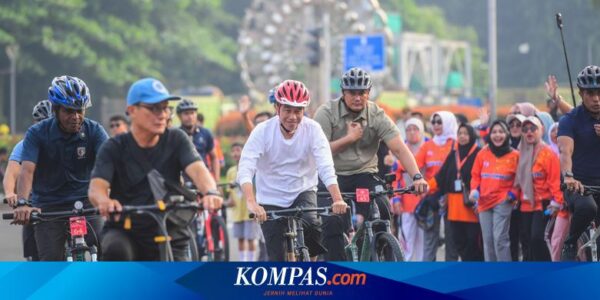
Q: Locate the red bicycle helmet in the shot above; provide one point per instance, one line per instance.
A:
(293, 93)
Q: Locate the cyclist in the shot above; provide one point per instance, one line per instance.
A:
(286, 152)
(579, 141)
(203, 141)
(41, 111)
(354, 126)
(58, 156)
(118, 125)
(119, 178)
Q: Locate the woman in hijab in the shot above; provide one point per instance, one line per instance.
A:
(429, 159)
(514, 122)
(453, 179)
(538, 177)
(524, 108)
(492, 188)
(547, 121)
(404, 205)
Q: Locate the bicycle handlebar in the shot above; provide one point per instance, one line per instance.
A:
(40, 216)
(406, 190)
(290, 212)
(587, 189)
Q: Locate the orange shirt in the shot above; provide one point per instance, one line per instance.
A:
(457, 211)
(409, 201)
(494, 177)
(431, 157)
(546, 180)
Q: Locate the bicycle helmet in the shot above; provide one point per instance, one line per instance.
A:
(70, 92)
(589, 78)
(356, 79)
(186, 104)
(292, 93)
(42, 110)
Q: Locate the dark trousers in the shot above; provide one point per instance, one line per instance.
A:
(274, 230)
(513, 233)
(584, 209)
(50, 237)
(533, 225)
(466, 237)
(138, 243)
(451, 253)
(334, 226)
(29, 245)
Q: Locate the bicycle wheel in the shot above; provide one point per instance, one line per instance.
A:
(387, 248)
(584, 254)
(220, 239)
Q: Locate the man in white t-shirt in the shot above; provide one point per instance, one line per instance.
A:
(288, 153)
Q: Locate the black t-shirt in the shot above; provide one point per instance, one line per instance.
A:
(128, 182)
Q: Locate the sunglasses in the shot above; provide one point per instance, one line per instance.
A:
(113, 125)
(438, 122)
(527, 129)
(515, 124)
(157, 109)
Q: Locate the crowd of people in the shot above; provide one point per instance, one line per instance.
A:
(493, 185)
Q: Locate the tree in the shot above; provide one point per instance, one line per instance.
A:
(112, 43)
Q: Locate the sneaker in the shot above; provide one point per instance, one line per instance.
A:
(569, 252)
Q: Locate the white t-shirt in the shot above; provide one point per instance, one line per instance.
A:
(285, 168)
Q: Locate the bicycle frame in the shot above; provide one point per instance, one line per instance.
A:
(296, 249)
(205, 231)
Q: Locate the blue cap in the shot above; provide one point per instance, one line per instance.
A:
(148, 90)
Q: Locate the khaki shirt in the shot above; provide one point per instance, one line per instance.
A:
(361, 156)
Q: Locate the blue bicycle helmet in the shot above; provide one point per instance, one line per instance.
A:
(42, 110)
(70, 92)
(589, 78)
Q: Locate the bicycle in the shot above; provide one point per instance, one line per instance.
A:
(160, 212)
(211, 236)
(587, 244)
(295, 248)
(76, 249)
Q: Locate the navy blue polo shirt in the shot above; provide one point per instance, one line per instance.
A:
(579, 125)
(63, 161)
(202, 140)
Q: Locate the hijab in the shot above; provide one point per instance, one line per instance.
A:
(505, 147)
(414, 148)
(463, 151)
(547, 121)
(527, 155)
(449, 127)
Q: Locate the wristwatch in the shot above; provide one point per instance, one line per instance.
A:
(417, 176)
(22, 202)
(212, 193)
(568, 174)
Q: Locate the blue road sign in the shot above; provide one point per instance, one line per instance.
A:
(365, 51)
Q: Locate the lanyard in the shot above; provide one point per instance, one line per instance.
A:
(460, 163)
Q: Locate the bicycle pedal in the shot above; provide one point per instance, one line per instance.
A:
(162, 239)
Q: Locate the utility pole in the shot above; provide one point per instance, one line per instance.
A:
(12, 51)
(492, 58)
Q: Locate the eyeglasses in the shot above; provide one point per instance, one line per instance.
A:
(157, 109)
(438, 122)
(527, 129)
(113, 125)
(515, 124)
